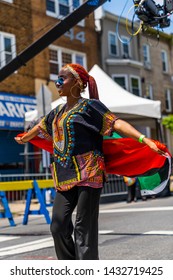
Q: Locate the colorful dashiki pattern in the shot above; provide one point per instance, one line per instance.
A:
(77, 142)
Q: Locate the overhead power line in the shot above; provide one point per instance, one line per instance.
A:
(49, 37)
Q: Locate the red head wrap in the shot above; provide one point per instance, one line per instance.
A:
(83, 78)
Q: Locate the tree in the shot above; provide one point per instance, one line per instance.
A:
(168, 122)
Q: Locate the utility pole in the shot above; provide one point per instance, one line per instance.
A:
(58, 30)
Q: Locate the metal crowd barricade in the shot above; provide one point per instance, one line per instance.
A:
(30, 186)
(21, 194)
(35, 187)
(7, 187)
(7, 212)
(114, 187)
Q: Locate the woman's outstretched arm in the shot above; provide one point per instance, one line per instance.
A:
(128, 130)
(28, 136)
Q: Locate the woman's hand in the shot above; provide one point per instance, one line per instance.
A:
(156, 146)
(27, 136)
(19, 140)
(128, 130)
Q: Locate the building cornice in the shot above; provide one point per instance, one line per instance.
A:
(124, 62)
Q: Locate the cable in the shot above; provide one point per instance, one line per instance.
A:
(127, 28)
(118, 23)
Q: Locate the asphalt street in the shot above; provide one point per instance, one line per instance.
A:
(127, 231)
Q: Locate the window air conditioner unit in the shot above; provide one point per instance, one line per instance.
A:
(147, 65)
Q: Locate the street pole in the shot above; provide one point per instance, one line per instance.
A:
(45, 154)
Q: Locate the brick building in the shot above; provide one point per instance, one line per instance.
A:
(21, 24)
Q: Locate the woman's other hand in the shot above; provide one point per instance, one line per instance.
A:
(19, 140)
(156, 146)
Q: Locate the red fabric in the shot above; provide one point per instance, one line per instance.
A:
(40, 143)
(123, 156)
(161, 146)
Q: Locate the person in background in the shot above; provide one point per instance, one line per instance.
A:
(76, 130)
(131, 184)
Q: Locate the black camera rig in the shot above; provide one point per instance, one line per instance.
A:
(153, 14)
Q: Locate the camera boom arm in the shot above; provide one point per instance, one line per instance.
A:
(153, 14)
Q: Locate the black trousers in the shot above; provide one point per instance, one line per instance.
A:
(131, 193)
(84, 245)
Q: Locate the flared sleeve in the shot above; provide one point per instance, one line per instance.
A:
(45, 125)
(103, 118)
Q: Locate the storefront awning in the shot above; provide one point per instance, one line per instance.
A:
(13, 108)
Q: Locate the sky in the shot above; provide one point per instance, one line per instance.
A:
(117, 6)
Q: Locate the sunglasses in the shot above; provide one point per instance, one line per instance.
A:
(59, 81)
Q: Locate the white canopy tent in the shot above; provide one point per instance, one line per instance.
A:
(118, 100)
(138, 111)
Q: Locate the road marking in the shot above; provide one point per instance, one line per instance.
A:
(159, 232)
(31, 246)
(48, 242)
(27, 247)
(153, 232)
(105, 232)
(145, 209)
(7, 238)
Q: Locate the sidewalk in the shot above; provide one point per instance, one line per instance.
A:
(17, 208)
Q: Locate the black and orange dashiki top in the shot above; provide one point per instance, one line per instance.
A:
(77, 137)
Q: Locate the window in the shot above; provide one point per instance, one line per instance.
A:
(168, 103)
(135, 86)
(126, 52)
(164, 59)
(112, 41)
(79, 59)
(146, 56)
(50, 6)
(64, 8)
(9, 1)
(53, 62)
(58, 57)
(149, 91)
(61, 8)
(121, 80)
(7, 48)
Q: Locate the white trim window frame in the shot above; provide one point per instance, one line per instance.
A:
(119, 76)
(113, 44)
(62, 8)
(164, 58)
(8, 1)
(149, 91)
(125, 44)
(61, 56)
(146, 55)
(133, 89)
(168, 102)
(7, 48)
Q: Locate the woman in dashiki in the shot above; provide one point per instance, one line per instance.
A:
(76, 130)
